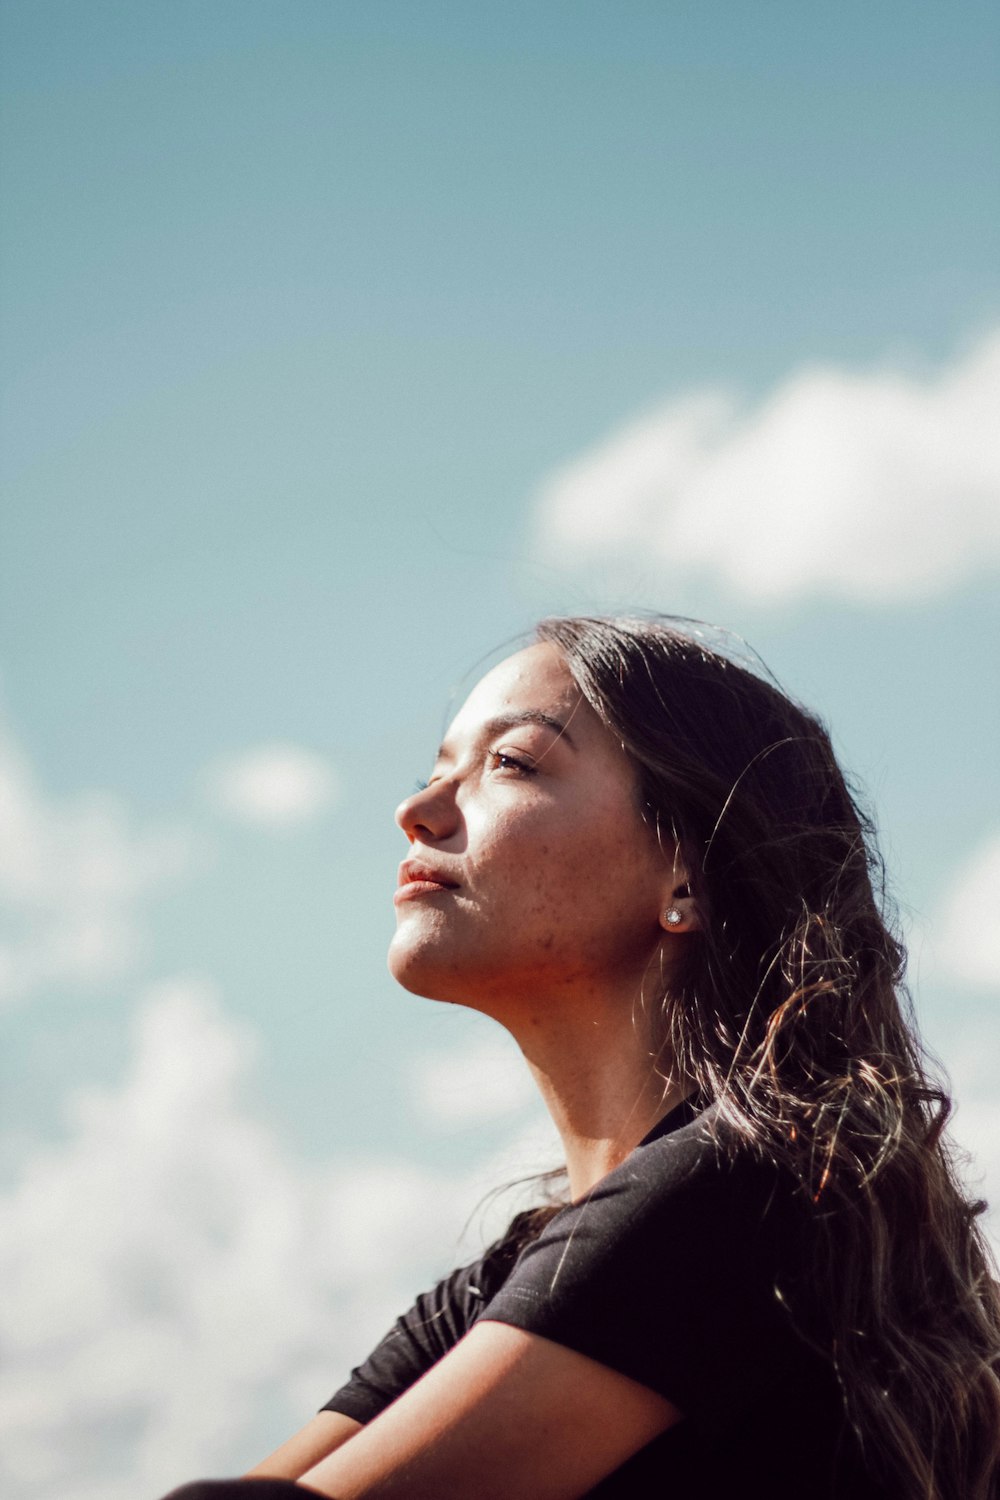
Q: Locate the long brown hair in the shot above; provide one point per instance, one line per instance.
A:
(792, 1014)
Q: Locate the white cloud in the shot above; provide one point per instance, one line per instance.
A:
(967, 938)
(483, 1079)
(73, 873)
(972, 1056)
(180, 1293)
(961, 943)
(173, 1279)
(874, 486)
(277, 786)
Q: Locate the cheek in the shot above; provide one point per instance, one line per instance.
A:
(616, 882)
(515, 861)
(572, 877)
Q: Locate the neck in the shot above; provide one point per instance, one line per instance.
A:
(603, 1084)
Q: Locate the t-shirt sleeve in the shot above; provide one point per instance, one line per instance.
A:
(424, 1334)
(667, 1272)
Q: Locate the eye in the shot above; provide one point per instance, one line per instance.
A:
(419, 786)
(504, 761)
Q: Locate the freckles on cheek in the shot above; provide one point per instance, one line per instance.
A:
(545, 911)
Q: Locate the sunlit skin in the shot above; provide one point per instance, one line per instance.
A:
(533, 891)
(552, 917)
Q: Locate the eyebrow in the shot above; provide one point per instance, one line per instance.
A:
(511, 721)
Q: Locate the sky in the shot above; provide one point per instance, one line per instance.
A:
(338, 344)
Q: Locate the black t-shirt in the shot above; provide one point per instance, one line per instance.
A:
(682, 1269)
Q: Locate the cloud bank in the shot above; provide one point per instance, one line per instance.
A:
(173, 1278)
(961, 944)
(276, 786)
(484, 1079)
(969, 935)
(73, 877)
(875, 487)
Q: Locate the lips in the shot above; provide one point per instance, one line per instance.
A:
(417, 878)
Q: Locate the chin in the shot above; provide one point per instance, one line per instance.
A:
(420, 967)
(413, 968)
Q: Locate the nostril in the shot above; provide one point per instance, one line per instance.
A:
(430, 811)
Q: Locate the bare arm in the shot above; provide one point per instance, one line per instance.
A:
(313, 1442)
(504, 1413)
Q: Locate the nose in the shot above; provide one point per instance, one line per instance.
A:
(430, 814)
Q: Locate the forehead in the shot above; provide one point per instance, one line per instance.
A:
(536, 678)
(533, 682)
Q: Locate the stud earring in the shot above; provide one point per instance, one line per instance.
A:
(672, 917)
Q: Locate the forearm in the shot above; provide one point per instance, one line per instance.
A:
(250, 1488)
(327, 1431)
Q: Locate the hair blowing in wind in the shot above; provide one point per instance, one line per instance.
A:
(791, 1012)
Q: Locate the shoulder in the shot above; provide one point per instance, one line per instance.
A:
(669, 1270)
(697, 1182)
(438, 1319)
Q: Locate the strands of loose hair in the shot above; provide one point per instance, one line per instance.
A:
(791, 1012)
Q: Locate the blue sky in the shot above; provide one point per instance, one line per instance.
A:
(337, 344)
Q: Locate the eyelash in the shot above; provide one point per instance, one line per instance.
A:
(502, 761)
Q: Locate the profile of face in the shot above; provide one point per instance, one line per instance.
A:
(532, 878)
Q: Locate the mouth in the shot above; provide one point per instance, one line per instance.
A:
(417, 879)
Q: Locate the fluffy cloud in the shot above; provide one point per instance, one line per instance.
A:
(176, 1286)
(976, 1125)
(277, 786)
(875, 487)
(483, 1079)
(179, 1292)
(72, 877)
(968, 937)
(961, 945)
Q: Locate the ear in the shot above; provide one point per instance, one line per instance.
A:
(678, 911)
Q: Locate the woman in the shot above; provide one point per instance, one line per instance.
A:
(643, 860)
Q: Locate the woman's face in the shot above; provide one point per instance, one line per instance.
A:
(530, 875)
